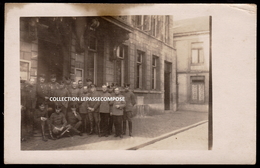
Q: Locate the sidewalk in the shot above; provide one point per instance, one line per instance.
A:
(145, 129)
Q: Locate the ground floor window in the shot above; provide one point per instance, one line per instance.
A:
(91, 66)
(24, 70)
(197, 89)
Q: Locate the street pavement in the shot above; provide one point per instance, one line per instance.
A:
(145, 130)
(195, 138)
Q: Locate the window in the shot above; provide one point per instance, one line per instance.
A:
(140, 70)
(155, 72)
(139, 21)
(78, 74)
(197, 56)
(153, 25)
(197, 89)
(121, 65)
(146, 23)
(167, 31)
(92, 43)
(91, 66)
(24, 70)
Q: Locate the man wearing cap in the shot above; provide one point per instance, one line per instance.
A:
(53, 86)
(117, 112)
(42, 92)
(93, 110)
(89, 82)
(67, 83)
(83, 110)
(74, 119)
(74, 92)
(110, 118)
(80, 87)
(62, 92)
(104, 112)
(58, 122)
(130, 102)
(30, 104)
(41, 119)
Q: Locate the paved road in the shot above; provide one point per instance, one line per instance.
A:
(193, 139)
(144, 129)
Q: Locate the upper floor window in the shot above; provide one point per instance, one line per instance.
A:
(167, 28)
(155, 72)
(140, 69)
(122, 65)
(197, 56)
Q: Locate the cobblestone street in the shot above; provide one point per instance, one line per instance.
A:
(145, 129)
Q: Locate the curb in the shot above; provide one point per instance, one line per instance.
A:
(166, 135)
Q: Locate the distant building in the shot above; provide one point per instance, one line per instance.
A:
(123, 49)
(191, 40)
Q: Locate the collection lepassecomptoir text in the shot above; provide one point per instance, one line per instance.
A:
(87, 98)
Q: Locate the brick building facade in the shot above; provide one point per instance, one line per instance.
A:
(122, 49)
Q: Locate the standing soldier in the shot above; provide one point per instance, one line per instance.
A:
(89, 82)
(130, 103)
(93, 110)
(30, 104)
(117, 112)
(104, 112)
(42, 92)
(112, 93)
(23, 110)
(83, 110)
(67, 83)
(80, 87)
(62, 92)
(73, 92)
(53, 86)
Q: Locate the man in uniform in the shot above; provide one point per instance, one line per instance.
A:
(89, 82)
(104, 112)
(93, 110)
(58, 123)
(117, 112)
(73, 92)
(80, 87)
(74, 120)
(42, 92)
(62, 92)
(30, 104)
(67, 83)
(41, 119)
(53, 86)
(83, 110)
(130, 103)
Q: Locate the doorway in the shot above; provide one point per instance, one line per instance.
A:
(50, 59)
(167, 84)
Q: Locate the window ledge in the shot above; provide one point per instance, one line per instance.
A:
(147, 91)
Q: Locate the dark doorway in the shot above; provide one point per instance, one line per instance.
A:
(50, 59)
(167, 84)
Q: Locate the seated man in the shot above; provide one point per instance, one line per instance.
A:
(74, 119)
(58, 123)
(41, 119)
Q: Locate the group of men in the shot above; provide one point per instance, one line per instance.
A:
(67, 118)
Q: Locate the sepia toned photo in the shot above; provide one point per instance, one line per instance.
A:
(160, 66)
(134, 82)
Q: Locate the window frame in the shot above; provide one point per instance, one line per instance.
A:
(75, 72)
(141, 76)
(199, 56)
(29, 68)
(199, 80)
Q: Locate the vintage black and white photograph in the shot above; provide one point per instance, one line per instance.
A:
(138, 82)
(160, 66)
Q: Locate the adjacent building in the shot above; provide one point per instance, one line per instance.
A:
(135, 49)
(191, 40)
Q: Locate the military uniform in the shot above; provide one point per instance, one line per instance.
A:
(83, 110)
(42, 91)
(58, 120)
(118, 115)
(130, 102)
(64, 104)
(39, 123)
(104, 114)
(94, 115)
(75, 121)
